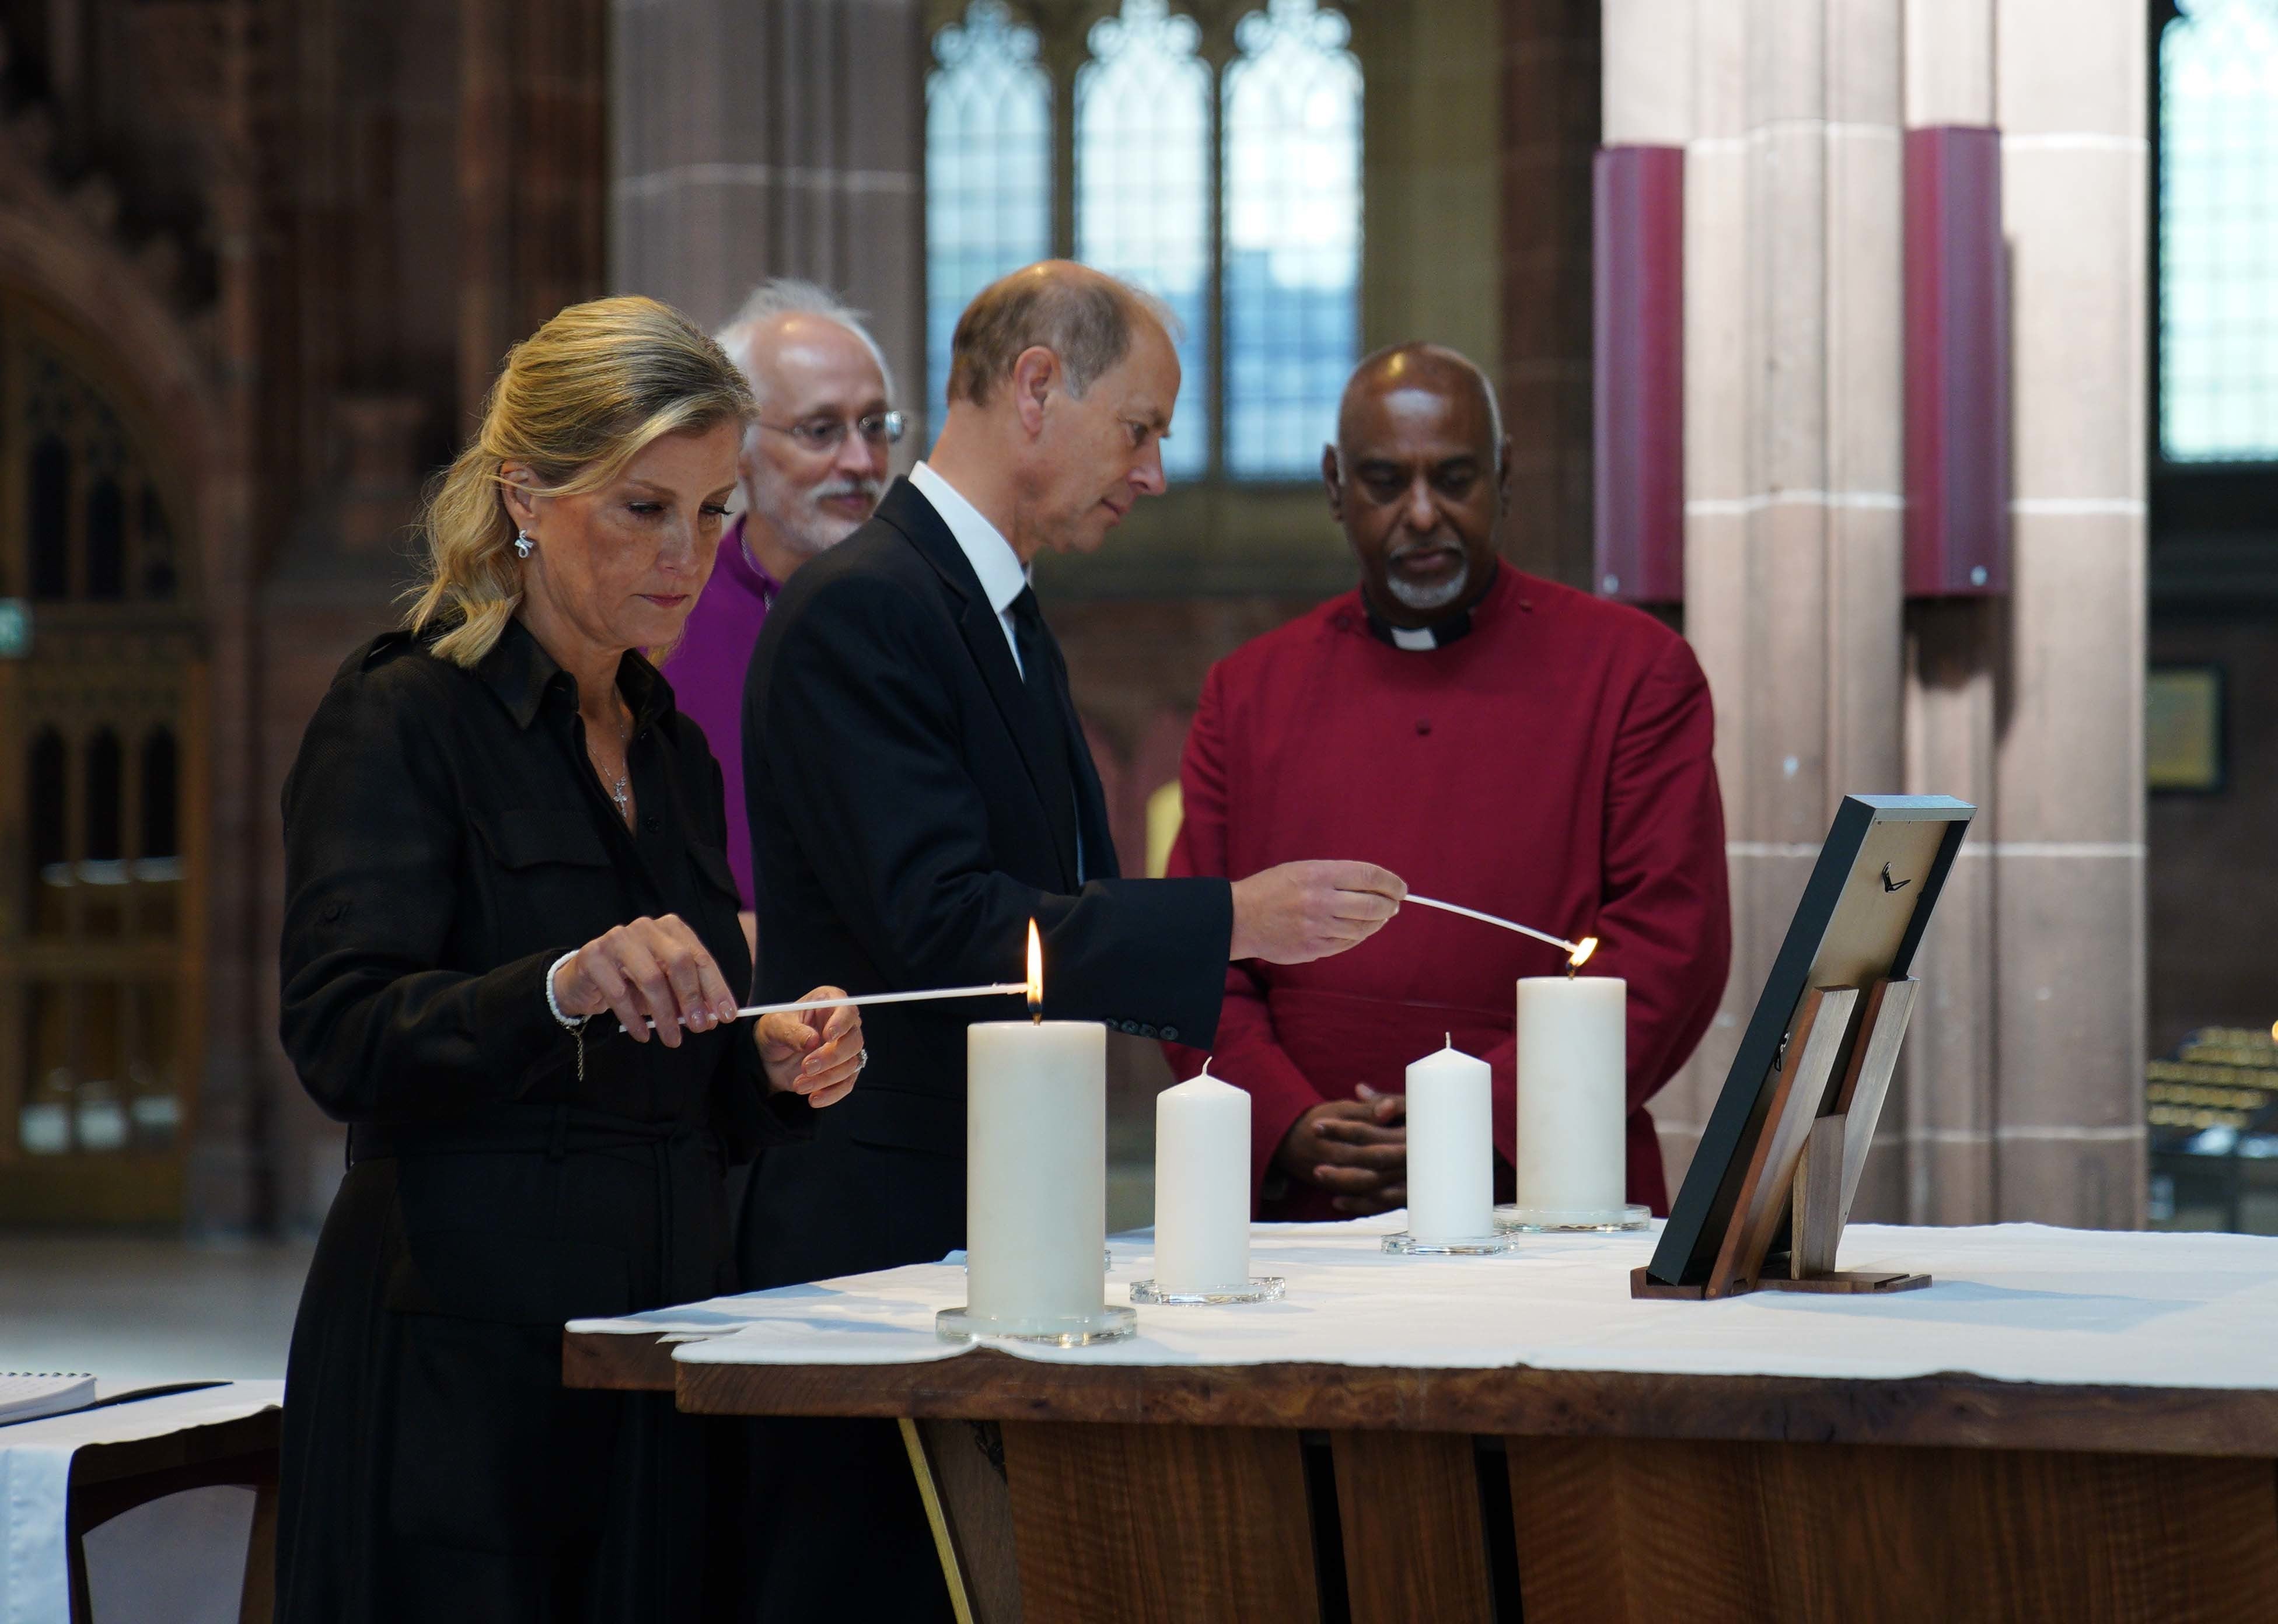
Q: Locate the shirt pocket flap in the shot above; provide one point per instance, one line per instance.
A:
(527, 837)
(712, 863)
(508, 1280)
(898, 1119)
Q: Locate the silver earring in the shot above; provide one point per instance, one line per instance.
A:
(524, 541)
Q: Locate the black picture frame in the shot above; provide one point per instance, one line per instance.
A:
(1850, 924)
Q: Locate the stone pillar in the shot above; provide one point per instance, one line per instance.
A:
(1793, 456)
(760, 138)
(1550, 118)
(532, 115)
(2067, 855)
(229, 1177)
(1953, 648)
(2022, 1095)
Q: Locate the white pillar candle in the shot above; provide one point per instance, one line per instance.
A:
(1450, 1147)
(1202, 1187)
(1035, 1174)
(1573, 1147)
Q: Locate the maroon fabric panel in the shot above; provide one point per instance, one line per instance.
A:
(1957, 348)
(1637, 264)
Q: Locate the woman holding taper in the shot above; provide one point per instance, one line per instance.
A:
(501, 842)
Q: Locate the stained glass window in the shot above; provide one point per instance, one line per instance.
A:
(989, 189)
(1292, 236)
(1143, 142)
(1231, 192)
(2219, 233)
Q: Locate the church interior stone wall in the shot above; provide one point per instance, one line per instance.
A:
(334, 215)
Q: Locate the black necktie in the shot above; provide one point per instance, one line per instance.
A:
(1040, 675)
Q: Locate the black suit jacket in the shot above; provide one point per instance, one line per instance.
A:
(900, 800)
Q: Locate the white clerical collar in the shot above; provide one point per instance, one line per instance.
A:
(1417, 639)
(991, 556)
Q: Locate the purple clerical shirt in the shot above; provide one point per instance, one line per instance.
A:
(707, 673)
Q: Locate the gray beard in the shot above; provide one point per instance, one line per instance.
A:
(799, 520)
(1424, 600)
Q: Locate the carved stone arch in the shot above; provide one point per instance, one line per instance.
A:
(96, 302)
(111, 416)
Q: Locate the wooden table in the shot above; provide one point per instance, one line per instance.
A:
(108, 1479)
(1266, 1493)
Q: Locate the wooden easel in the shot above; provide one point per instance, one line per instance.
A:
(1806, 1166)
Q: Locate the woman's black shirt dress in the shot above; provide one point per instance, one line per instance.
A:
(446, 842)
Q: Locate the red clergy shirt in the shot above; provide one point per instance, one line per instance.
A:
(1552, 766)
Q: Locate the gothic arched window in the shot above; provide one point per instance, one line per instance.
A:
(1142, 197)
(162, 789)
(106, 540)
(1292, 235)
(1228, 183)
(989, 170)
(48, 519)
(2219, 233)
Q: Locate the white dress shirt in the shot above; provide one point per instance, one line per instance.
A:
(991, 556)
(1002, 576)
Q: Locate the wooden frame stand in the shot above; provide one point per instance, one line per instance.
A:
(1805, 1171)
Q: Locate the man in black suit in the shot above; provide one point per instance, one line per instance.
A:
(957, 802)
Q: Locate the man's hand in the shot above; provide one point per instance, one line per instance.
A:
(1352, 1149)
(1297, 912)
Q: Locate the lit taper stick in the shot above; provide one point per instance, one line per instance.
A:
(1578, 953)
(1033, 988)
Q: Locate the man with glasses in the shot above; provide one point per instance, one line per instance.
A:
(812, 469)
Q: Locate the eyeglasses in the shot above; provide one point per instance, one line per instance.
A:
(821, 434)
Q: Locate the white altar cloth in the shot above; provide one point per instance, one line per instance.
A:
(35, 1459)
(2013, 1302)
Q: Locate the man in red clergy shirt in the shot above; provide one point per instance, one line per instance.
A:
(1501, 740)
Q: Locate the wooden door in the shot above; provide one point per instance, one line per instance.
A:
(101, 798)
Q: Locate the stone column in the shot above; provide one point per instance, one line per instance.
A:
(1550, 119)
(1953, 648)
(2023, 1094)
(531, 114)
(761, 138)
(2068, 856)
(1794, 457)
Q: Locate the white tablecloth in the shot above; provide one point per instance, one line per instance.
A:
(35, 1459)
(2014, 1302)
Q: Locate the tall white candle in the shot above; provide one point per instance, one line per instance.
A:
(1202, 1187)
(1572, 1103)
(1036, 1172)
(1450, 1147)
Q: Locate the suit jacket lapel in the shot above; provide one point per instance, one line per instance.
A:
(905, 508)
(1091, 800)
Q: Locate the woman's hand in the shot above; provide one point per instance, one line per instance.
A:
(651, 969)
(818, 1055)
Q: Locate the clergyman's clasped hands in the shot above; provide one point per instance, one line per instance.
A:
(656, 971)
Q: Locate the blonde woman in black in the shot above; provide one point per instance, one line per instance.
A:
(504, 843)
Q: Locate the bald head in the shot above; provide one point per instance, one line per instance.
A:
(1431, 369)
(1417, 480)
(1084, 317)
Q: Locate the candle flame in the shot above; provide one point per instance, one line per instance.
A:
(1035, 973)
(1581, 953)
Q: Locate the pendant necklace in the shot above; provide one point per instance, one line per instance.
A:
(622, 792)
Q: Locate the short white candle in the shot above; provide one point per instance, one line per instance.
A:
(1036, 1172)
(1202, 1187)
(1450, 1147)
(1573, 1145)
